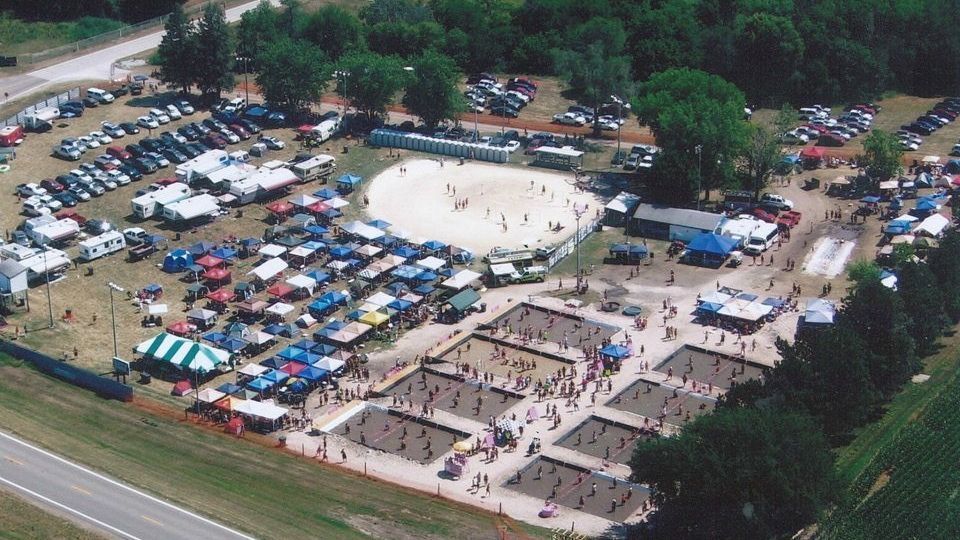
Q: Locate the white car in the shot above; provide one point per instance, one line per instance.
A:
(81, 176)
(134, 235)
(158, 159)
(611, 118)
(173, 112)
(910, 145)
(519, 95)
(31, 190)
(112, 129)
(608, 124)
(272, 143)
(512, 146)
(101, 137)
(185, 107)
(51, 203)
(148, 122)
(776, 201)
(569, 119)
(230, 136)
(118, 177)
(107, 183)
(35, 207)
(89, 141)
(160, 116)
(795, 137)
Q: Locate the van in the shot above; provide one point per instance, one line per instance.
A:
(807, 113)
(101, 96)
(241, 156)
(762, 239)
(235, 105)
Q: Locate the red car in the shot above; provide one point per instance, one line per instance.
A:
(763, 215)
(829, 139)
(119, 153)
(51, 186)
(240, 131)
(214, 141)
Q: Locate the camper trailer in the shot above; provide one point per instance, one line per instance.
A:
(192, 208)
(40, 117)
(202, 165)
(146, 206)
(11, 135)
(272, 180)
(246, 190)
(315, 167)
(102, 245)
(47, 229)
(324, 130)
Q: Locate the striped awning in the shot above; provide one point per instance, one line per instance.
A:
(184, 353)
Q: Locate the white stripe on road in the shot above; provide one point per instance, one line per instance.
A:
(62, 506)
(126, 487)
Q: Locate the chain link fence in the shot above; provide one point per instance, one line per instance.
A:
(569, 245)
(55, 101)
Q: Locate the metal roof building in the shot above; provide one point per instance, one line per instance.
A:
(667, 223)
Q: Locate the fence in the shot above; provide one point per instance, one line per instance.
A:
(73, 93)
(37, 57)
(570, 244)
(80, 377)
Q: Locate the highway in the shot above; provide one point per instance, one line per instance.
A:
(96, 65)
(99, 502)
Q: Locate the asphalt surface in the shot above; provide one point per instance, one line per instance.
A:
(97, 65)
(96, 501)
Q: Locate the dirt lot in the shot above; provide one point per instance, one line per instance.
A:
(604, 439)
(480, 353)
(707, 367)
(652, 400)
(449, 393)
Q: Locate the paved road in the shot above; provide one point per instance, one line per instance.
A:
(90, 498)
(96, 65)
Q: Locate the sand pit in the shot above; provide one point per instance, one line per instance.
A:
(478, 352)
(453, 395)
(706, 366)
(420, 203)
(605, 439)
(576, 483)
(650, 399)
(413, 438)
(554, 325)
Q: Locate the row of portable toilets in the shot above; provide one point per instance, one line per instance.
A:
(422, 143)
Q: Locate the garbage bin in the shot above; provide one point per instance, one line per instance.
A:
(483, 307)
(145, 378)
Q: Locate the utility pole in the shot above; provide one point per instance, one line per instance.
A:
(113, 315)
(699, 150)
(578, 214)
(46, 276)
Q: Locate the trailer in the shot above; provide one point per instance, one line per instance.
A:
(246, 191)
(46, 264)
(34, 120)
(324, 130)
(45, 230)
(102, 245)
(11, 135)
(274, 179)
(149, 204)
(193, 208)
(317, 166)
(202, 165)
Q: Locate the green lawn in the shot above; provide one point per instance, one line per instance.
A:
(263, 491)
(19, 37)
(22, 520)
(900, 474)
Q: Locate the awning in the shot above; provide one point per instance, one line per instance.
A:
(269, 269)
(183, 353)
(463, 300)
(503, 269)
(461, 279)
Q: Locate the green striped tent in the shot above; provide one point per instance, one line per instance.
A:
(183, 353)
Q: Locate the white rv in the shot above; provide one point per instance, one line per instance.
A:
(326, 129)
(102, 245)
(246, 190)
(192, 208)
(317, 166)
(202, 165)
(55, 230)
(148, 205)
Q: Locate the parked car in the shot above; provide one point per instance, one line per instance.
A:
(152, 145)
(174, 155)
(145, 165)
(93, 188)
(118, 177)
(188, 150)
(170, 138)
(66, 181)
(250, 126)
(79, 192)
(569, 119)
(172, 112)
(158, 158)
(188, 132)
(272, 143)
(129, 128)
(30, 190)
(35, 207)
(67, 152)
(201, 128)
(214, 141)
(240, 131)
(828, 139)
(136, 150)
(148, 122)
(66, 199)
(131, 171)
(776, 201)
(185, 107)
(106, 162)
(160, 116)
(229, 136)
(118, 153)
(504, 110)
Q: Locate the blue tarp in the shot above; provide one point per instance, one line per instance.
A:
(926, 204)
(615, 351)
(712, 244)
(897, 227)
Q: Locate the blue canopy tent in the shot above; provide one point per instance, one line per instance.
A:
(323, 334)
(305, 344)
(386, 241)
(354, 262)
(355, 314)
(708, 249)
(319, 276)
(426, 275)
(314, 245)
(307, 358)
(320, 308)
(299, 387)
(316, 231)
(396, 288)
(287, 330)
(628, 253)
(709, 308)
(870, 199)
(324, 349)
(340, 252)
(260, 384)
(400, 305)
(153, 288)
(617, 352)
(335, 325)
(312, 374)
(229, 388)
(424, 290)
(224, 253)
(233, 344)
(379, 223)
(274, 362)
(276, 376)
(290, 352)
(433, 245)
(348, 182)
(926, 205)
(326, 193)
(405, 252)
(334, 297)
(773, 302)
(331, 213)
(250, 242)
(214, 337)
(896, 227)
(405, 272)
(177, 261)
(201, 248)
(747, 297)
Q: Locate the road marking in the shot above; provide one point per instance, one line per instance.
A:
(80, 489)
(151, 520)
(12, 460)
(68, 509)
(126, 487)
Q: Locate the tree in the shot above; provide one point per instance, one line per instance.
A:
(393, 11)
(944, 262)
(737, 473)
(760, 156)
(214, 52)
(178, 51)
(863, 271)
(405, 39)
(258, 27)
(433, 94)
(769, 49)
(335, 30)
(923, 303)
(882, 153)
(372, 81)
(292, 73)
(785, 120)
(687, 109)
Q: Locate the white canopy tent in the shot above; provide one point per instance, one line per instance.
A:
(253, 370)
(380, 299)
(502, 269)
(933, 226)
(272, 250)
(431, 263)
(301, 281)
(461, 279)
(269, 269)
(280, 309)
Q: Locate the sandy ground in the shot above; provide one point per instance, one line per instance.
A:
(601, 438)
(420, 203)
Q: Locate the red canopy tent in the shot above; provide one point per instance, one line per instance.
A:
(318, 207)
(221, 295)
(181, 328)
(182, 388)
(280, 290)
(209, 261)
(217, 274)
(235, 426)
(280, 207)
(812, 152)
(293, 368)
(304, 130)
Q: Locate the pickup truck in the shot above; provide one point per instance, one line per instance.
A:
(142, 251)
(790, 219)
(529, 275)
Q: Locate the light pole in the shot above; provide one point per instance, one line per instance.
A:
(113, 315)
(699, 150)
(578, 215)
(342, 75)
(620, 106)
(46, 279)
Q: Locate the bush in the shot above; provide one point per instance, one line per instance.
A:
(92, 26)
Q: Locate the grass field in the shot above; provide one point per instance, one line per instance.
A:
(900, 473)
(265, 492)
(19, 37)
(21, 520)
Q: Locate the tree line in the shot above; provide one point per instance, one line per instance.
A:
(760, 465)
(131, 11)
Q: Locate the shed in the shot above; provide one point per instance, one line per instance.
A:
(565, 159)
(13, 277)
(667, 223)
(618, 211)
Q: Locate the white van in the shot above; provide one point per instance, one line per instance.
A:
(762, 238)
(100, 95)
(241, 156)
(102, 245)
(809, 113)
